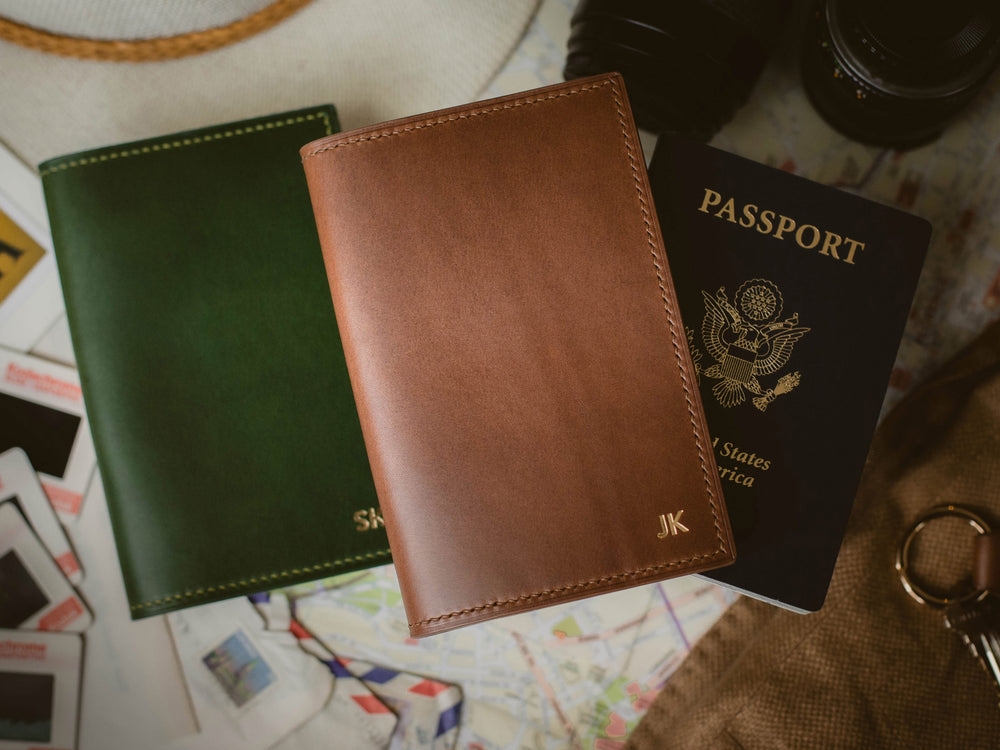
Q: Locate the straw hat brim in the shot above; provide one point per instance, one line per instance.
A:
(374, 60)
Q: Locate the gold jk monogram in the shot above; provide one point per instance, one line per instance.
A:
(671, 525)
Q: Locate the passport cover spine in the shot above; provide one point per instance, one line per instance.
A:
(226, 434)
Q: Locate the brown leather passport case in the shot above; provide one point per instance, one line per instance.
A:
(510, 326)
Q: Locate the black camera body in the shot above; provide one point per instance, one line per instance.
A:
(885, 72)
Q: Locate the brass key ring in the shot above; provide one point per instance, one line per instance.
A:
(903, 554)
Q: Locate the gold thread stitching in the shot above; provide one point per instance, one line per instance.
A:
(262, 578)
(569, 587)
(188, 141)
(453, 118)
(663, 295)
(650, 239)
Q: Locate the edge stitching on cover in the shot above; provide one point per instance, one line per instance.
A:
(453, 118)
(569, 587)
(264, 578)
(670, 319)
(644, 211)
(190, 140)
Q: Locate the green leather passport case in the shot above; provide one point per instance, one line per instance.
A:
(226, 432)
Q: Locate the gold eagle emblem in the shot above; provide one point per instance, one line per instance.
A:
(748, 340)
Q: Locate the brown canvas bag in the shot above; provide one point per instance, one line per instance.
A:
(873, 668)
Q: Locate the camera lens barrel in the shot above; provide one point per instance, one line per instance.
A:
(688, 64)
(895, 72)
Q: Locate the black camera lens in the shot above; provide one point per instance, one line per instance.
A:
(688, 64)
(894, 72)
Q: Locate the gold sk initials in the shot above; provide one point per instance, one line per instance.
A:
(370, 518)
(671, 525)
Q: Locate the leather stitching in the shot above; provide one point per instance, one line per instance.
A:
(670, 320)
(194, 140)
(265, 579)
(453, 118)
(657, 264)
(567, 588)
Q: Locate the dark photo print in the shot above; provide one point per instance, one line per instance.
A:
(45, 434)
(26, 706)
(20, 596)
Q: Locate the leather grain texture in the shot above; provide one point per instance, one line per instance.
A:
(218, 396)
(511, 334)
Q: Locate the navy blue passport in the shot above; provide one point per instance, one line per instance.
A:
(794, 297)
